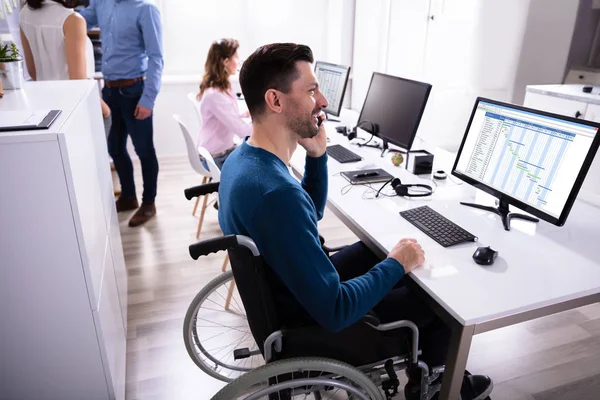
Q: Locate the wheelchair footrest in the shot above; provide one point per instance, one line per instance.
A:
(239, 354)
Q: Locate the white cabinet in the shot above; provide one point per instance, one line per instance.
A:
(63, 286)
(571, 108)
(593, 112)
(570, 100)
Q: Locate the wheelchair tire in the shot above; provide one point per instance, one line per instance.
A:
(209, 306)
(253, 382)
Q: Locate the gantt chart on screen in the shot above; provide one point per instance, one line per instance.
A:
(531, 157)
(331, 84)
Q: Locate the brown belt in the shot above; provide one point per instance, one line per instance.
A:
(123, 82)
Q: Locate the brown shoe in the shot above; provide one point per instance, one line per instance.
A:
(142, 215)
(126, 203)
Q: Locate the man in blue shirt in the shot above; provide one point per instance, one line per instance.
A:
(259, 198)
(132, 64)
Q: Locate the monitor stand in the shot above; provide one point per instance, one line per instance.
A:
(503, 211)
(383, 146)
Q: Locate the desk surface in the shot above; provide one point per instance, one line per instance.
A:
(45, 95)
(538, 264)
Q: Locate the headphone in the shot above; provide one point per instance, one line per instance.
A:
(403, 190)
(354, 132)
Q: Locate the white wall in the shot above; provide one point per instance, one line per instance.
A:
(370, 35)
(545, 50)
(190, 26)
(465, 49)
(472, 51)
(471, 48)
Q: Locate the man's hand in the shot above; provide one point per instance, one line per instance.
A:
(105, 109)
(316, 146)
(408, 253)
(142, 112)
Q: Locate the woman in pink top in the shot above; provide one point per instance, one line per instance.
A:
(221, 118)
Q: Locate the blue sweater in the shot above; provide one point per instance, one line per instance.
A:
(259, 198)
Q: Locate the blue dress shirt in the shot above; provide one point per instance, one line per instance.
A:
(131, 42)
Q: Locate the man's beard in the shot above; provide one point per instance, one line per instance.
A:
(304, 126)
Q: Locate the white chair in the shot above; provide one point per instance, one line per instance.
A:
(196, 104)
(212, 174)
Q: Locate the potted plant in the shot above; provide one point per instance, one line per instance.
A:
(11, 66)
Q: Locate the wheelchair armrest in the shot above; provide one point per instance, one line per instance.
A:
(397, 325)
(333, 249)
(371, 319)
(201, 190)
(329, 250)
(208, 246)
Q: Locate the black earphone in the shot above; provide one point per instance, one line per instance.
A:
(354, 132)
(403, 190)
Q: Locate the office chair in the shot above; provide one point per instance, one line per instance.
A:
(196, 104)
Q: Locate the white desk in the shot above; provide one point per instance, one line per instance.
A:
(541, 269)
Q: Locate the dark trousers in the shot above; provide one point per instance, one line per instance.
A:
(122, 102)
(400, 303)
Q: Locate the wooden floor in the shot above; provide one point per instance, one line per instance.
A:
(552, 358)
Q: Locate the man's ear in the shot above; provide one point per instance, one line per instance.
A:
(273, 100)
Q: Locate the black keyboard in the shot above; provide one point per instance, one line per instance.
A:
(437, 227)
(341, 154)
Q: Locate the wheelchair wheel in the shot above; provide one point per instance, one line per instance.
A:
(215, 326)
(302, 378)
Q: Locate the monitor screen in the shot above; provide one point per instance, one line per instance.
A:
(395, 105)
(332, 83)
(536, 158)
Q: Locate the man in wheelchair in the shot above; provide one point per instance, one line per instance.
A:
(259, 198)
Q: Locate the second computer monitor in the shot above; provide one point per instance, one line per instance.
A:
(393, 108)
(532, 159)
(332, 83)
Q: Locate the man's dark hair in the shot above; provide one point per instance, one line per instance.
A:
(272, 66)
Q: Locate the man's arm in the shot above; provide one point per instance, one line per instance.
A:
(28, 56)
(315, 182)
(285, 231)
(152, 35)
(90, 15)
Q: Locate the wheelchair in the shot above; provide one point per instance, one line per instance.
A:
(261, 358)
(215, 330)
(309, 362)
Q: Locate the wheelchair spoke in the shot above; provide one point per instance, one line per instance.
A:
(223, 326)
(238, 310)
(233, 345)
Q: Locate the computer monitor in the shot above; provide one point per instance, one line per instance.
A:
(393, 109)
(333, 80)
(531, 159)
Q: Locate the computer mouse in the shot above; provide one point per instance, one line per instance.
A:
(485, 255)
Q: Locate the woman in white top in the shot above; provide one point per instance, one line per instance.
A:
(55, 42)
